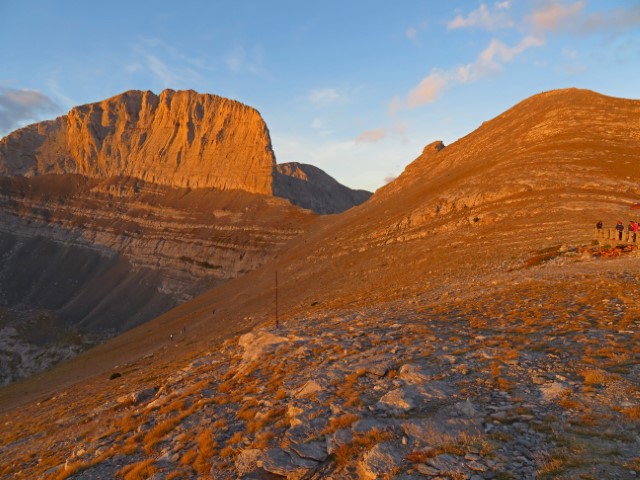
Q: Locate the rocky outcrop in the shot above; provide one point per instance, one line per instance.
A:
(179, 139)
(309, 187)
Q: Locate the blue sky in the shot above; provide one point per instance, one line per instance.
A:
(355, 87)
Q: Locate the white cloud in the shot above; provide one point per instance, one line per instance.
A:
(483, 17)
(488, 62)
(20, 106)
(325, 96)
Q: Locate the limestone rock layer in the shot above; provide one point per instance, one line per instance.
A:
(179, 139)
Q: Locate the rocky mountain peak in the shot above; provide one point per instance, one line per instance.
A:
(310, 187)
(433, 147)
(178, 139)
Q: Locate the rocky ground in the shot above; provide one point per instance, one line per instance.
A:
(532, 373)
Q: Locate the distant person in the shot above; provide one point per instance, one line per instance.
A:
(635, 231)
(599, 225)
(620, 229)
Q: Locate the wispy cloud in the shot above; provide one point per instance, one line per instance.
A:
(413, 32)
(399, 130)
(557, 17)
(166, 64)
(20, 106)
(319, 126)
(326, 96)
(484, 17)
(240, 60)
(490, 61)
(372, 136)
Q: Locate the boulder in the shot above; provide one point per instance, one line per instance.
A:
(381, 461)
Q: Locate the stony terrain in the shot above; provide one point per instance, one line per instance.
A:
(462, 323)
(536, 376)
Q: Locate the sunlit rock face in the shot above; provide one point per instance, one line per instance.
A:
(179, 139)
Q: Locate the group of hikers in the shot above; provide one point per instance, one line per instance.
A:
(632, 228)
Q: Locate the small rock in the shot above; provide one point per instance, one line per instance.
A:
(313, 450)
(426, 470)
(466, 409)
(380, 461)
(398, 399)
(477, 467)
(448, 359)
(277, 461)
(310, 388)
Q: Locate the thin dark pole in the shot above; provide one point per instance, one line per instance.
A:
(277, 323)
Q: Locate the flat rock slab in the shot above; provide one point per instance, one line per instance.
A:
(313, 450)
(407, 398)
(288, 465)
(382, 460)
(446, 464)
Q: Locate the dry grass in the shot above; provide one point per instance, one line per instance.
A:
(346, 453)
(337, 423)
(632, 413)
(189, 457)
(227, 451)
(139, 471)
(421, 456)
(157, 434)
(206, 451)
(263, 439)
(235, 438)
(594, 377)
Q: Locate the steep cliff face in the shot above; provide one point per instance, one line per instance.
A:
(179, 139)
(309, 187)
